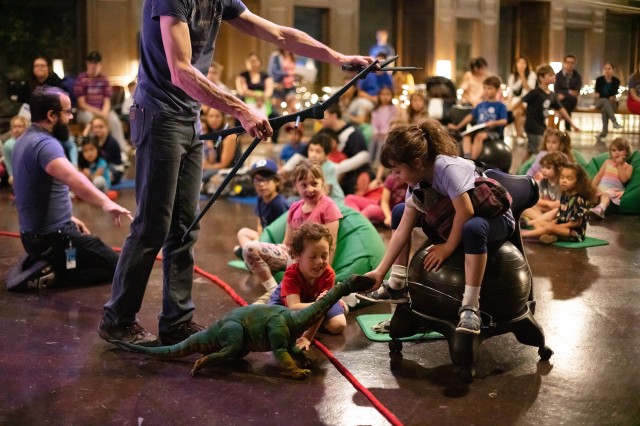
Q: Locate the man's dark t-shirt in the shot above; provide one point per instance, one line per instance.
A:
(155, 89)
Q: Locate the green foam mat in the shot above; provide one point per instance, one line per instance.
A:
(237, 263)
(367, 321)
(588, 242)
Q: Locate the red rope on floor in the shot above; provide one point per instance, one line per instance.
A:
(339, 366)
(386, 413)
(356, 384)
(9, 234)
(231, 292)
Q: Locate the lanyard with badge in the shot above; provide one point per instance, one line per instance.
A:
(70, 255)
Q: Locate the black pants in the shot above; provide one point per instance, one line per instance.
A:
(95, 261)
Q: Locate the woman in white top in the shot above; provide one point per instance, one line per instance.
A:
(520, 82)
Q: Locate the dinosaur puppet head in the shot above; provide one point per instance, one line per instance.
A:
(357, 283)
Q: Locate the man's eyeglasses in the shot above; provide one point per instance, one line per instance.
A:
(69, 111)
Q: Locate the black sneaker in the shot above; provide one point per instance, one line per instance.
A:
(180, 333)
(134, 334)
(387, 295)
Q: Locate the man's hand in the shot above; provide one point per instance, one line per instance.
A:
(81, 226)
(354, 60)
(256, 125)
(116, 211)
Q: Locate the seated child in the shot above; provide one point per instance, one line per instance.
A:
(93, 166)
(217, 155)
(492, 113)
(425, 157)
(318, 150)
(314, 206)
(271, 204)
(613, 176)
(309, 278)
(549, 201)
(294, 142)
(553, 140)
(378, 210)
(570, 223)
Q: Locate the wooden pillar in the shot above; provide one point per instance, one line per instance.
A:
(112, 29)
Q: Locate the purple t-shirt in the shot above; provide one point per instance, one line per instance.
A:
(453, 176)
(155, 89)
(43, 203)
(94, 89)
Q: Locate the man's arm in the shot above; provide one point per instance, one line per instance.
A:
(177, 47)
(62, 170)
(292, 40)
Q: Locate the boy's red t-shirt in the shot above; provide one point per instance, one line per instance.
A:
(294, 283)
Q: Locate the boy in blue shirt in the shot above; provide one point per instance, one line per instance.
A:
(491, 112)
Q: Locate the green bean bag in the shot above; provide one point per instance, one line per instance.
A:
(630, 201)
(524, 168)
(367, 132)
(359, 248)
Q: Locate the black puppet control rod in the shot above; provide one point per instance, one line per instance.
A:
(316, 112)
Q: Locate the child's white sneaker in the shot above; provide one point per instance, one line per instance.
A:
(598, 212)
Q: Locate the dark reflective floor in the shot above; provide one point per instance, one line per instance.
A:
(54, 369)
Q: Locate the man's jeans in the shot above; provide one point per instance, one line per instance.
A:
(168, 176)
(95, 261)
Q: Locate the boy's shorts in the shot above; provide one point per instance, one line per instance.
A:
(533, 143)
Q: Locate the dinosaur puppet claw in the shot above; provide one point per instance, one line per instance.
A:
(298, 373)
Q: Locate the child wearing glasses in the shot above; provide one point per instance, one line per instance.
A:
(271, 203)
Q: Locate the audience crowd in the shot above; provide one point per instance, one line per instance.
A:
(311, 174)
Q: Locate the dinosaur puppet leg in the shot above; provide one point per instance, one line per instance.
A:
(279, 338)
(230, 337)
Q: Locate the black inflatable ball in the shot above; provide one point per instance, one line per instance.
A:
(504, 293)
(496, 153)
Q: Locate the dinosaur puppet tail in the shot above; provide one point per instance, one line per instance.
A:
(304, 318)
(179, 350)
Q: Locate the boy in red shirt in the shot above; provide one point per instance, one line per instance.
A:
(309, 278)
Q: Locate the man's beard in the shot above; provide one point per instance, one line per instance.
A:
(60, 131)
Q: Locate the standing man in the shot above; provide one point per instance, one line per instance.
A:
(42, 177)
(177, 42)
(382, 45)
(568, 84)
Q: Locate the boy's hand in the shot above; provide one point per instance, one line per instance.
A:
(303, 343)
(452, 126)
(321, 295)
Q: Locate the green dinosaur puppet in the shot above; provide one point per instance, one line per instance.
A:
(256, 328)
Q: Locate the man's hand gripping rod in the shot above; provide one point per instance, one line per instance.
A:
(316, 112)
